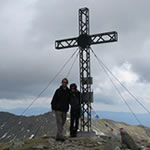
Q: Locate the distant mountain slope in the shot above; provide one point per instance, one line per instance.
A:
(14, 127)
(126, 117)
(109, 127)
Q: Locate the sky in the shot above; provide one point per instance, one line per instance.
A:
(29, 60)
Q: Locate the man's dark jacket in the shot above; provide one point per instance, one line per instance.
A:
(60, 101)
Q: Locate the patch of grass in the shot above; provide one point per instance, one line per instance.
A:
(30, 143)
(99, 148)
(4, 146)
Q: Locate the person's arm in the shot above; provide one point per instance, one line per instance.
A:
(69, 98)
(80, 102)
(79, 97)
(54, 101)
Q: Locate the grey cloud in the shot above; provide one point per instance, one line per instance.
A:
(28, 59)
(105, 99)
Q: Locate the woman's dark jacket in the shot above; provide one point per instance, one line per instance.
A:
(75, 103)
(60, 101)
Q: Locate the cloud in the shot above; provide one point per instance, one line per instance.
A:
(125, 74)
(11, 104)
(106, 94)
(28, 59)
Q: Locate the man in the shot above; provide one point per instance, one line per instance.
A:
(75, 109)
(60, 106)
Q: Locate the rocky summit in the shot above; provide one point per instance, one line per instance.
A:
(37, 133)
(78, 143)
(49, 143)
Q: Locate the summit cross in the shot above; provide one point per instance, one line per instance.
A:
(84, 41)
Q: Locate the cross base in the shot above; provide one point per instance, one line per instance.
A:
(86, 134)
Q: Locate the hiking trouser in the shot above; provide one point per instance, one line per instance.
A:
(60, 121)
(74, 123)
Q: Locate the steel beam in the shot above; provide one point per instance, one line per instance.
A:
(66, 43)
(104, 38)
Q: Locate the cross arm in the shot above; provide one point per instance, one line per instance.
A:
(66, 43)
(104, 37)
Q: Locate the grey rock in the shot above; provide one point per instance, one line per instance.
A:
(39, 147)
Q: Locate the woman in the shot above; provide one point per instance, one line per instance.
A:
(75, 109)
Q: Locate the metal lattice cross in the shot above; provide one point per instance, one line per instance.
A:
(84, 41)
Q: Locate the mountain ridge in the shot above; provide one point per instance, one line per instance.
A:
(125, 117)
(15, 127)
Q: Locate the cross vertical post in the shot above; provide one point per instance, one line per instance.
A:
(85, 72)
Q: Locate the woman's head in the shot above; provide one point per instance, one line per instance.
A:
(73, 87)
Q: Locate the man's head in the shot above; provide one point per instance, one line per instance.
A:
(65, 82)
(73, 87)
